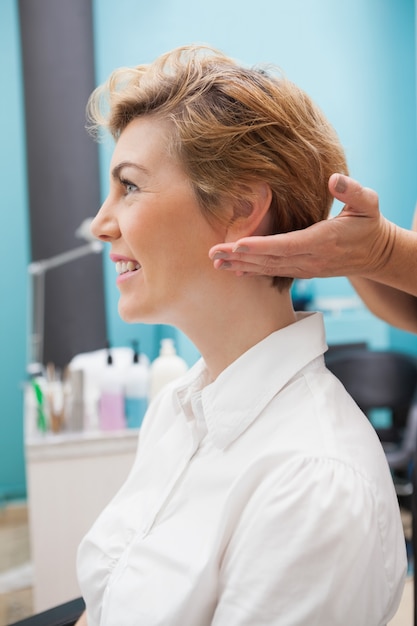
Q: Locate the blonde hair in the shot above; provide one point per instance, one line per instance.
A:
(231, 126)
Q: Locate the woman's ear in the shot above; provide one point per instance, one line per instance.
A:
(251, 213)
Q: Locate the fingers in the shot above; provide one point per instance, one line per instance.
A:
(296, 267)
(298, 254)
(250, 256)
(283, 245)
(359, 201)
(247, 264)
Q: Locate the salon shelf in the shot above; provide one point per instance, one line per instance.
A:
(80, 444)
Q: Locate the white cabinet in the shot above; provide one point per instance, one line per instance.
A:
(70, 479)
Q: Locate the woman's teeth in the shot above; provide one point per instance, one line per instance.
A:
(126, 266)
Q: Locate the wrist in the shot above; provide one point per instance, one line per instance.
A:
(382, 250)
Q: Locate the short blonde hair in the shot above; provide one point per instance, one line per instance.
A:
(231, 126)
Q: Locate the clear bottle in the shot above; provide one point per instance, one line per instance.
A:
(36, 409)
(166, 367)
(74, 397)
(111, 402)
(137, 379)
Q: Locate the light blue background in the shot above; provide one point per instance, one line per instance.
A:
(356, 59)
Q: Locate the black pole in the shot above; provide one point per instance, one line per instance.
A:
(63, 171)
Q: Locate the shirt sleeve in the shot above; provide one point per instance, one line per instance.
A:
(315, 545)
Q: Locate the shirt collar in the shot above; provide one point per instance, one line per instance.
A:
(234, 400)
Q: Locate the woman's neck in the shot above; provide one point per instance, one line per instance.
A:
(226, 324)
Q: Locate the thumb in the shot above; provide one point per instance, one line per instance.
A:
(359, 201)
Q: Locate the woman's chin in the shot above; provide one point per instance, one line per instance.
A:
(129, 315)
(135, 315)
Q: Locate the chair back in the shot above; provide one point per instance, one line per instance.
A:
(377, 379)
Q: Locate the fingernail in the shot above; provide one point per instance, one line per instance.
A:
(225, 265)
(341, 184)
(220, 255)
(241, 249)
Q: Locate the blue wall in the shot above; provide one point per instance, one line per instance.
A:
(15, 255)
(356, 59)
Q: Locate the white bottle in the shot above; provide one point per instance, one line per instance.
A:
(166, 367)
(137, 379)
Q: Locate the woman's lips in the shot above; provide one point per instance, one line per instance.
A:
(119, 257)
(125, 267)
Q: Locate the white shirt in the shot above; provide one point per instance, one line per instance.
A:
(263, 498)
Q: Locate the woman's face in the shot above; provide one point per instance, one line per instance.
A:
(159, 237)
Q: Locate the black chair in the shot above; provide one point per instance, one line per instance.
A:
(63, 615)
(384, 380)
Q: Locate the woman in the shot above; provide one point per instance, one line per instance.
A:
(260, 493)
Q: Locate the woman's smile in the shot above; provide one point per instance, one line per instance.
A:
(125, 267)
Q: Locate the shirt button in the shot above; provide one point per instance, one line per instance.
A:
(112, 564)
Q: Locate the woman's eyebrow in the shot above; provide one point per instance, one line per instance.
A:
(118, 168)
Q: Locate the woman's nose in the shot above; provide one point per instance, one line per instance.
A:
(104, 226)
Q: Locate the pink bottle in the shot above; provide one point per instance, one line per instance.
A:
(111, 403)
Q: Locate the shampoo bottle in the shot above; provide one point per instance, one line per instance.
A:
(111, 402)
(136, 389)
(166, 367)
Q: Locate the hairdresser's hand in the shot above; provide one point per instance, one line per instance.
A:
(358, 242)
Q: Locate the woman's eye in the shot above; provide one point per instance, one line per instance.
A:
(129, 187)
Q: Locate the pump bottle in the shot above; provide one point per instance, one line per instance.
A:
(166, 367)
